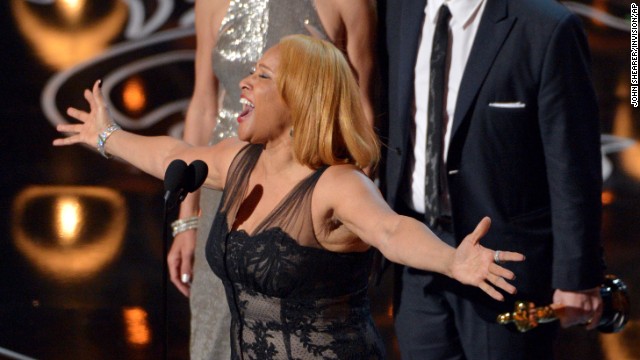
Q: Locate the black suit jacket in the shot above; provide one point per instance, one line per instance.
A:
(535, 170)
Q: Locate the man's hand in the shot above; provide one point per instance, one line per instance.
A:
(578, 307)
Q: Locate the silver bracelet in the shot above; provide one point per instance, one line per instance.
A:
(182, 225)
(103, 136)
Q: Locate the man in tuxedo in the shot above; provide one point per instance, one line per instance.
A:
(505, 126)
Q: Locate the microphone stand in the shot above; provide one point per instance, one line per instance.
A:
(165, 271)
(183, 180)
(169, 212)
(174, 186)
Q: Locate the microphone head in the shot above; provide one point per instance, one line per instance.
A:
(174, 176)
(196, 175)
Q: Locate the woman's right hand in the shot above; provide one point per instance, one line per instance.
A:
(92, 123)
(180, 260)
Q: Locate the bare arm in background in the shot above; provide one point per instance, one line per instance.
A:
(199, 124)
(359, 19)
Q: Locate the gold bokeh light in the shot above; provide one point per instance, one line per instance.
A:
(607, 197)
(138, 332)
(56, 244)
(68, 213)
(63, 46)
(71, 9)
(134, 98)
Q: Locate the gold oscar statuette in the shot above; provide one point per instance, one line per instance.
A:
(615, 314)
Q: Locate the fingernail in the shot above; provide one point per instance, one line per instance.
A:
(185, 278)
(100, 83)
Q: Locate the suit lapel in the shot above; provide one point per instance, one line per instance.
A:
(492, 32)
(412, 16)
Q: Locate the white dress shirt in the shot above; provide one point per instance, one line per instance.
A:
(465, 19)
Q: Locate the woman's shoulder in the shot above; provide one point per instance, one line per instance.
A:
(343, 179)
(223, 153)
(343, 170)
(231, 146)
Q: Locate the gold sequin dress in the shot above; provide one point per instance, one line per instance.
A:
(247, 30)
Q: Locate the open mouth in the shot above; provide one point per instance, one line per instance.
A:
(247, 108)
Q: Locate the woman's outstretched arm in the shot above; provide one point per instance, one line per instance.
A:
(151, 154)
(357, 203)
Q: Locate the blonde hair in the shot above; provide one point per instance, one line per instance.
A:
(329, 126)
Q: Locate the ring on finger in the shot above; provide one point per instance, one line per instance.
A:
(496, 257)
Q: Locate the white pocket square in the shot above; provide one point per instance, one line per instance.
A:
(508, 105)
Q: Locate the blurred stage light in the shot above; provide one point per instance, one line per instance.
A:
(607, 197)
(134, 96)
(69, 233)
(62, 41)
(138, 332)
(71, 9)
(622, 345)
(69, 217)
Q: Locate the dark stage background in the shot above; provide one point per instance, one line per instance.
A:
(81, 237)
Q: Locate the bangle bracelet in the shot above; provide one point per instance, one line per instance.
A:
(103, 136)
(182, 225)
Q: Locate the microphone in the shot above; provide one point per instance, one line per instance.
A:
(174, 179)
(194, 177)
(197, 174)
(180, 179)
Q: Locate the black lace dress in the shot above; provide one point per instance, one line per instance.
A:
(289, 298)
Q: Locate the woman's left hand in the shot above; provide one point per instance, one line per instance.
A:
(476, 265)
